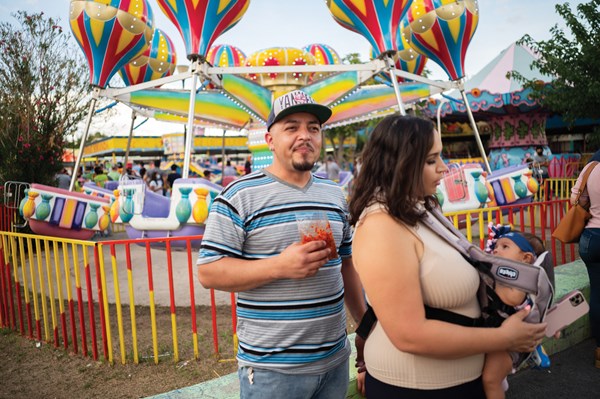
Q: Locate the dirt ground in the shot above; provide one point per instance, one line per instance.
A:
(30, 369)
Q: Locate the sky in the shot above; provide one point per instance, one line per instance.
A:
(297, 23)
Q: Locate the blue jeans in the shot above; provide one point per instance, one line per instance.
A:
(272, 384)
(589, 250)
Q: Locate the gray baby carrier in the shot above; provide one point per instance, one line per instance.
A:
(532, 279)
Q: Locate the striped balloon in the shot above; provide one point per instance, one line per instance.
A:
(200, 22)
(225, 55)
(408, 59)
(442, 31)
(111, 33)
(159, 60)
(376, 20)
(324, 55)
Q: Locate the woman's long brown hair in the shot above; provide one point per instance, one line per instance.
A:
(392, 169)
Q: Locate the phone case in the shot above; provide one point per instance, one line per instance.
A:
(565, 312)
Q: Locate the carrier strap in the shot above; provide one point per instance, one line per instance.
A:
(369, 319)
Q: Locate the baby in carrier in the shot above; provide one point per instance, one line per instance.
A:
(519, 247)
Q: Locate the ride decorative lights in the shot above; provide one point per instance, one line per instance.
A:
(111, 33)
(408, 59)
(280, 56)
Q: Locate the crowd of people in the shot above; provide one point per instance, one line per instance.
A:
(157, 180)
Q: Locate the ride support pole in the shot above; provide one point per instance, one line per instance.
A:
(84, 137)
(476, 131)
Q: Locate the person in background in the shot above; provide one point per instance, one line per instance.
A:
(155, 183)
(291, 295)
(130, 173)
(114, 174)
(207, 174)
(405, 267)
(589, 243)
(541, 161)
(248, 166)
(63, 179)
(331, 168)
(229, 169)
(174, 175)
(99, 176)
(156, 168)
(88, 174)
(143, 173)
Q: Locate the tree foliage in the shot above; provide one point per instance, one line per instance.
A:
(572, 59)
(42, 78)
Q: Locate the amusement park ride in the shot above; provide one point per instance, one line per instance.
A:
(231, 90)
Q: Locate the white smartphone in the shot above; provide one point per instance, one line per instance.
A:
(570, 308)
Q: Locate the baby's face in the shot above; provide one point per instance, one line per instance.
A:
(506, 248)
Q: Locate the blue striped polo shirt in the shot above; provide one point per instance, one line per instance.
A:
(295, 326)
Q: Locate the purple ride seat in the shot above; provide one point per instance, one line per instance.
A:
(155, 205)
(111, 185)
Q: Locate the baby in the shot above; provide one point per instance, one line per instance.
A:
(514, 246)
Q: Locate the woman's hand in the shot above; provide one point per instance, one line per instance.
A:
(361, 375)
(522, 336)
(360, 382)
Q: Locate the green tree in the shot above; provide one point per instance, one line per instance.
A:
(42, 78)
(572, 59)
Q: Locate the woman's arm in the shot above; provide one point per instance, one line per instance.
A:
(389, 271)
(584, 199)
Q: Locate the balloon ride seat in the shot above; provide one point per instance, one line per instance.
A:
(150, 215)
(62, 213)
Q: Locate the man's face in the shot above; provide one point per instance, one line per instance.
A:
(539, 151)
(295, 141)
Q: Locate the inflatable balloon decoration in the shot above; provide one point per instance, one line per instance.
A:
(407, 59)
(159, 60)
(225, 55)
(442, 29)
(376, 20)
(111, 33)
(200, 22)
(324, 55)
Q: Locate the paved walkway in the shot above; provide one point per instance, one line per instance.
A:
(571, 375)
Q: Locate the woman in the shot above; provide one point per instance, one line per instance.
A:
(589, 243)
(156, 184)
(404, 265)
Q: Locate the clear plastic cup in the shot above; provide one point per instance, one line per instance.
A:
(314, 226)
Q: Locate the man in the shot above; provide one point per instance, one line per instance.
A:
(174, 175)
(541, 161)
(63, 179)
(99, 176)
(291, 319)
(333, 169)
(114, 174)
(229, 170)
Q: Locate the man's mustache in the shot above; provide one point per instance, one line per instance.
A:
(310, 147)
